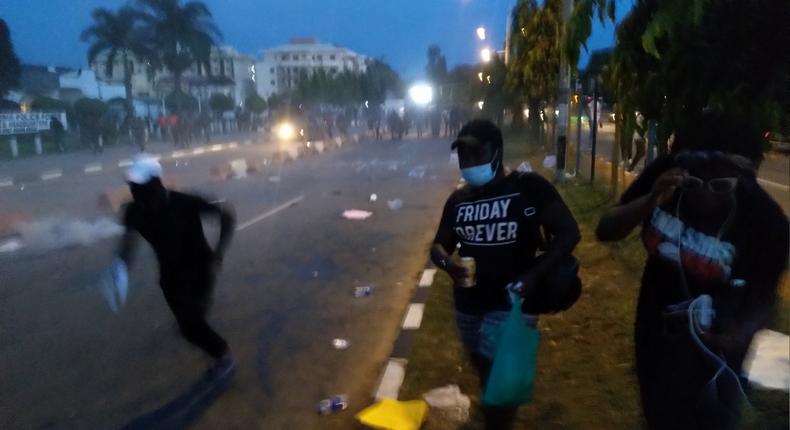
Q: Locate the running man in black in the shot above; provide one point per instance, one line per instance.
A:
(496, 218)
(171, 222)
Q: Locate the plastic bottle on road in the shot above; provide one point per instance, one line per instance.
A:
(335, 404)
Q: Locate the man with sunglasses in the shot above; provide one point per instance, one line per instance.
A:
(717, 245)
(496, 219)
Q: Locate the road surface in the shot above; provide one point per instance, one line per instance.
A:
(285, 292)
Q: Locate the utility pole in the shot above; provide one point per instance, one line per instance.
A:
(563, 98)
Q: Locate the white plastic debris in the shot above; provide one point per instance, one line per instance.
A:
(395, 204)
(768, 362)
(417, 172)
(357, 214)
(450, 402)
(373, 197)
(550, 161)
(10, 245)
(340, 344)
(114, 285)
(524, 167)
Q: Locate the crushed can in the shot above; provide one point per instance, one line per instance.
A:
(471, 279)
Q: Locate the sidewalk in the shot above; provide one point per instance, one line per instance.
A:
(585, 364)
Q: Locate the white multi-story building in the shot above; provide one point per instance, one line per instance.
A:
(232, 73)
(278, 69)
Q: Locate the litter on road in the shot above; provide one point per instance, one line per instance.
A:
(363, 291)
(450, 402)
(335, 404)
(357, 214)
(389, 414)
(340, 344)
(395, 204)
(524, 167)
(373, 197)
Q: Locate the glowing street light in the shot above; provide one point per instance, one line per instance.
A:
(480, 104)
(421, 94)
(485, 55)
(480, 76)
(481, 33)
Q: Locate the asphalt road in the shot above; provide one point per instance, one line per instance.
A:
(285, 292)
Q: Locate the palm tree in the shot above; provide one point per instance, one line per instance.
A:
(116, 34)
(183, 34)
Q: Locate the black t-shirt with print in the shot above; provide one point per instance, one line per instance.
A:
(499, 226)
(739, 268)
(175, 232)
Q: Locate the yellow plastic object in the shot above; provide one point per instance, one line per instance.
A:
(391, 414)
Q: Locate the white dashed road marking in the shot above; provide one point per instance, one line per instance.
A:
(233, 145)
(125, 163)
(198, 151)
(93, 168)
(52, 174)
(6, 182)
(217, 147)
(177, 154)
(426, 280)
(413, 317)
(392, 379)
(269, 213)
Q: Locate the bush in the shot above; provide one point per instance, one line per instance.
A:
(220, 103)
(48, 104)
(255, 104)
(179, 101)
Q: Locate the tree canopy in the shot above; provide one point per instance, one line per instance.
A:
(9, 63)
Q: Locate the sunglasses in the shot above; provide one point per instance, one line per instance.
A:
(715, 185)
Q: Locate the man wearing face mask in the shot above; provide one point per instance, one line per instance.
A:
(497, 218)
(171, 223)
(717, 245)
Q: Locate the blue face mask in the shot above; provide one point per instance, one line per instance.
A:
(477, 176)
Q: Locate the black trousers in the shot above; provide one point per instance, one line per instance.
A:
(189, 296)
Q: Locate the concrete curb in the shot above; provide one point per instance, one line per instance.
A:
(394, 371)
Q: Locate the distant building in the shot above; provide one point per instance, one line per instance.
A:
(278, 69)
(229, 72)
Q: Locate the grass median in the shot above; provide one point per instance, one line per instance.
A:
(586, 377)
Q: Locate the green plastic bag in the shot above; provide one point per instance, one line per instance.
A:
(512, 376)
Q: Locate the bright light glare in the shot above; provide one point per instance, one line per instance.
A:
(421, 94)
(556, 112)
(485, 55)
(286, 131)
(480, 76)
(480, 104)
(526, 113)
(481, 33)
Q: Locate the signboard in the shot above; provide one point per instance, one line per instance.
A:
(24, 123)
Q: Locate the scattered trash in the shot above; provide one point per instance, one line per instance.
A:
(768, 362)
(357, 214)
(450, 402)
(340, 344)
(417, 172)
(389, 414)
(373, 197)
(550, 161)
(10, 246)
(524, 167)
(365, 291)
(274, 179)
(335, 404)
(395, 204)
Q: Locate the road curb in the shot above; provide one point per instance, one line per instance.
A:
(394, 371)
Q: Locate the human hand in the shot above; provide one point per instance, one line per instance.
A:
(456, 271)
(664, 187)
